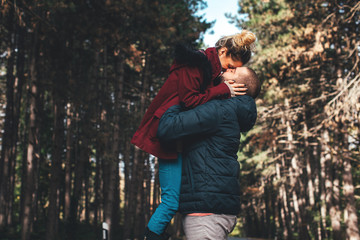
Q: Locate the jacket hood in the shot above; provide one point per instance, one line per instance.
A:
(207, 60)
(246, 112)
(187, 55)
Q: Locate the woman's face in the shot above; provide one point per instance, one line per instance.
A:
(226, 61)
(231, 74)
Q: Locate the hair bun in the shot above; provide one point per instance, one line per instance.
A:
(239, 46)
(245, 40)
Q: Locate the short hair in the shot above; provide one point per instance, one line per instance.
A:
(250, 78)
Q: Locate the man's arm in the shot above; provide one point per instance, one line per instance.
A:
(175, 124)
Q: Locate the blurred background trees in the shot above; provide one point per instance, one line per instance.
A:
(77, 76)
(303, 156)
(76, 79)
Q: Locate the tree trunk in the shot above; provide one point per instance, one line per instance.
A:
(87, 191)
(156, 187)
(135, 190)
(111, 164)
(310, 184)
(99, 149)
(119, 100)
(140, 200)
(140, 219)
(335, 213)
(55, 180)
(333, 194)
(68, 161)
(323, 184)
(331, 185)
(82, 157)
(19, 82)
(147, 190)
(350, 213)
(284, 210)
(288, 214)
(32, 158)
(97, 215)
(8, 135)
(128, 190)
(294, 173)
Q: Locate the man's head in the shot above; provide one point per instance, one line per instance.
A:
(245, 76)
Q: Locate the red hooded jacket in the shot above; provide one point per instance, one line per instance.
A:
(190, 83)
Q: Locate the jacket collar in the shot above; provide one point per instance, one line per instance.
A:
(213, 57)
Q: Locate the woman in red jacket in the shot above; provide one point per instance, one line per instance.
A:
(192, 81)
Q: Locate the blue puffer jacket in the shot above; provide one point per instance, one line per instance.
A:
(211, 137)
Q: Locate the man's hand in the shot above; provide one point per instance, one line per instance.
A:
(238, 88)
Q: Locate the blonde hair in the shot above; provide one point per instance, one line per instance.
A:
(239, 46)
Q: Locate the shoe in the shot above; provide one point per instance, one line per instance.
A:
(149, 235)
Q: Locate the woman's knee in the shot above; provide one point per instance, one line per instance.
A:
(172, 204)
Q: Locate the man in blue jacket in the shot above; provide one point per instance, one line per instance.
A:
(210, 196)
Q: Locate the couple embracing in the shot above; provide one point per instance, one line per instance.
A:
(193, 126)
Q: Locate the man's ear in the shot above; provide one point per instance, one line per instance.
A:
(231, 81)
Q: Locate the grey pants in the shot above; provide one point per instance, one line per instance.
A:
(212, 227)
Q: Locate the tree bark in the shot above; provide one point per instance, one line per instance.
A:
(294, 173)
(147, 183)
(140, 219)
(155, 187)
(140, 200)
(99, 150)
(82, 157)
(68, 161)
(97, 215)
(331, 185)
(128, 186)
(55, 180)
(335, 213)
(87, 193)
(19, 82)
(310, 184)
(32, 158)
(333, 194)
(323, 184)
(8, 135)
(284, 210)
(111, 164)
(350, 212)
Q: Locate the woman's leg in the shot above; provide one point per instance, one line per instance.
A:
(170, 180)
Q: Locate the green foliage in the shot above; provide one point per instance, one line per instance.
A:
(78, 53)
(305, 56)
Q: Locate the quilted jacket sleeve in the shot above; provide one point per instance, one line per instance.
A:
(175, 124)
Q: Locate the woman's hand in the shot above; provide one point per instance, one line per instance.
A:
(237, 88)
